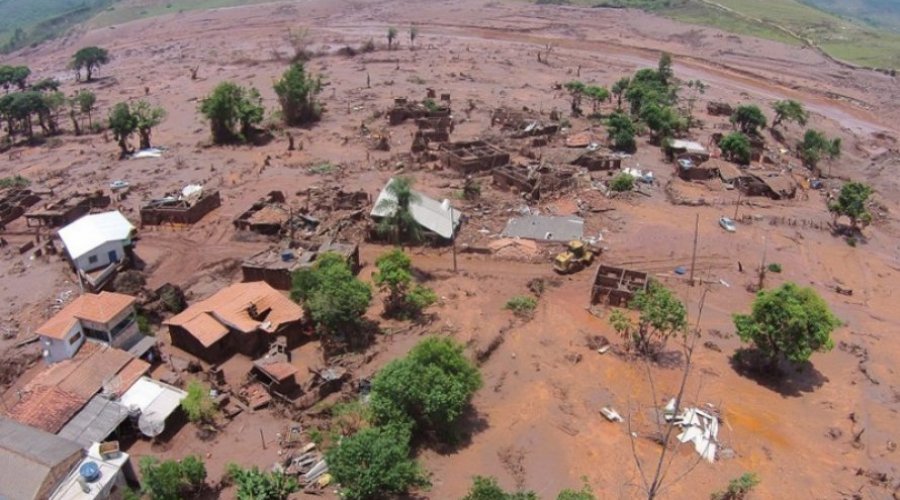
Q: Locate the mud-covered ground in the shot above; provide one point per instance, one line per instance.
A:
(538, 424)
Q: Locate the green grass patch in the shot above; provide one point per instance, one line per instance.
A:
(125, 11)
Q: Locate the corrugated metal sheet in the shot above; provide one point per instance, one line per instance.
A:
(539, 227)
(29, 457)
(97, 420)
(428, 212)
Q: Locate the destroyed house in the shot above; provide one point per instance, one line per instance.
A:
(437, 218)
(97, 241)
(775, 186)
(472, 157)
(595, 160)
(404, 110)
(514, 177)
(14, 202)
(183, 209)
(66, 209)
(244, 318)
(272, 216)
(679, 148)
(690, 171)
(276, 266)
(108, 318)
(616, 286)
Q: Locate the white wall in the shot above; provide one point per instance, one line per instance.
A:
(57, 350)
(102, 254)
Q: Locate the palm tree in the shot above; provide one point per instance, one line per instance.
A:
(399, 224)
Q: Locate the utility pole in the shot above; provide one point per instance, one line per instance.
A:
(738, 204)
(694, 253)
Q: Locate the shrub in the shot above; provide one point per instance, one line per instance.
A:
(199, 405)
(170, 479)
(297, 91)
(661, 316)
(775, 267)
(622, 182)
(252, 484)
(486, 488)
(394, 275)
(737, 488)
(736, 147)
(522, 305)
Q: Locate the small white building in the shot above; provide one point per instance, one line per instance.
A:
(108, 318)
(98, 476)
(97, 240)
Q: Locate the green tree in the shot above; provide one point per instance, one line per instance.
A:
(430, 388)
(815, 146)
(621, 132)
(663, 121)
(738, 489)
(696, 88)
(789, 110)
(86, 101)
(89, 59)
(21, 107)
(18, 76)
(334, 298)
(646, 86)
(146, 117)
(391, 36)
(297, 91)
(664, 67)
(123, 124)
(789, 322)
(232, 112)
(736, 147)
(749, 118)
(405, 299)
(597, 95)
(619, 88)
(661, 315)
(252, 484)
(170, 479)
(486, 488)
(399, 225)
(852, 202)
(375, 463)
(45, 85)
(53, 104)
(576, 92)
(199, 406)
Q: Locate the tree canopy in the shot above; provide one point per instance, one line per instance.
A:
(334, 298)
(405, 299)
(297, 91)
(14, 76)
(788, 322)
(736, 147)
(89, 59)
(146, 117)
(597, 95)
(621, 132)
(815, 146)
(122, 123)
(791, 111)
(232, 112)
(374, 463)
(852, 202)
(252, 484)
(391, 36)
(660, 316)
(429, 389)
(749, 118)
(576, 92)
(170, 479)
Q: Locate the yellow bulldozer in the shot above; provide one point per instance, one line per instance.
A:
(576, 257)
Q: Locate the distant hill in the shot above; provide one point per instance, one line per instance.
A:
(880, 13)
(23, 22)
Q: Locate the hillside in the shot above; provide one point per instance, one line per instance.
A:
(789, 21)
(881, 13)
(23, 22)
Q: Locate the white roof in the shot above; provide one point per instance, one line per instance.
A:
(70, 489)
(691, 146)
(94, 230)
(155, 399)
(428, 212)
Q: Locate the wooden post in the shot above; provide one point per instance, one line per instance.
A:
(738, 204)
(262, 437)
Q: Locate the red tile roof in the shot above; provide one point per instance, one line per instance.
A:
(97, 308)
